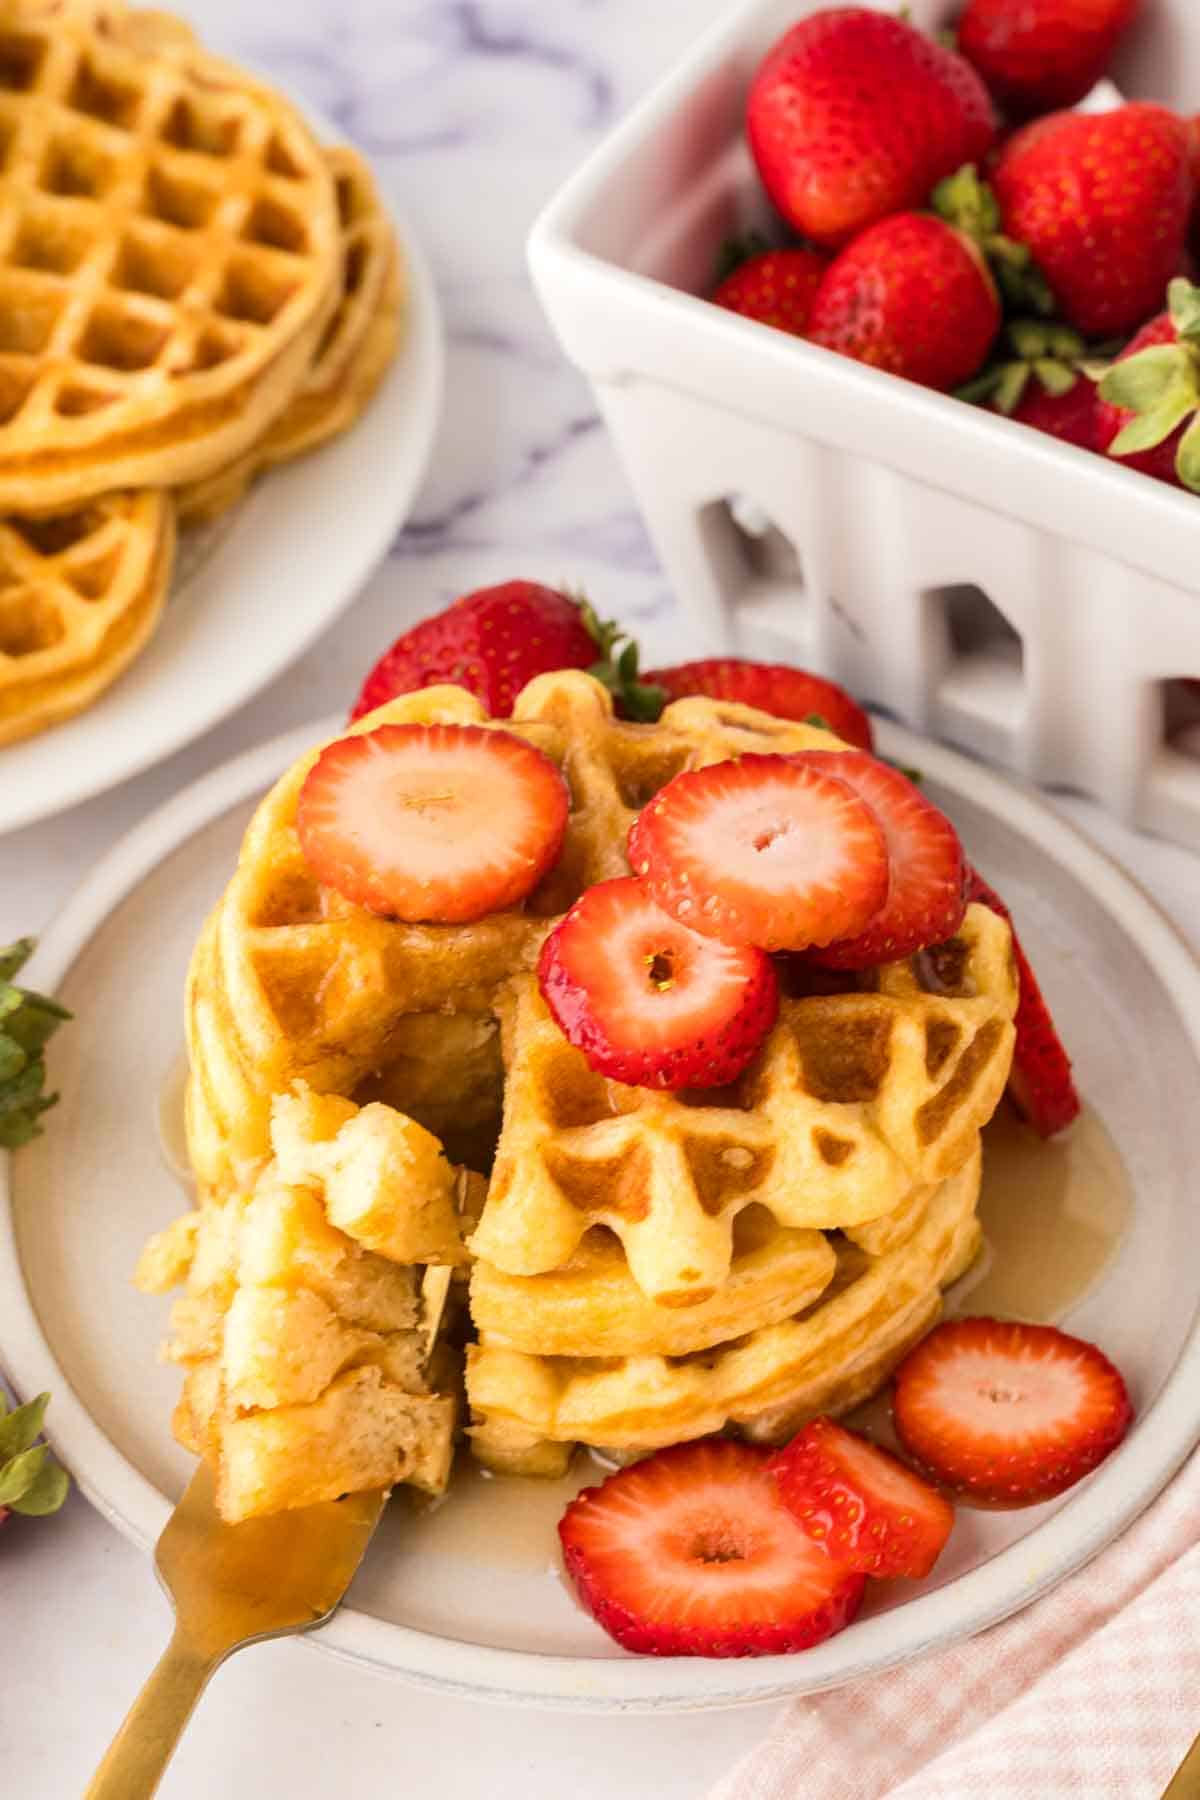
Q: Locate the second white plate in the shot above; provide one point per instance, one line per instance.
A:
(468, 1598)
(253, 590)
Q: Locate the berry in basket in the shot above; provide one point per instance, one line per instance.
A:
(854, 115)
(1103, 202)
(1036, 55)
(1146, 411)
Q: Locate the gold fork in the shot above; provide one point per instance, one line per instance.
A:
(233, 1585)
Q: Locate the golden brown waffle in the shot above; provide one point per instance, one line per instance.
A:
(359, 343)
(529, 1411)
(306, 1367)
(168, 258)
(855, 1102)
(80, 595)
(290, 980)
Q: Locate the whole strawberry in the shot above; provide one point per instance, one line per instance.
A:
(776, 288)
(911, 295)
(1103, 203)
(1147, 406)
(774, 688)
(853, 115)
(491, 641)
(1036, 55)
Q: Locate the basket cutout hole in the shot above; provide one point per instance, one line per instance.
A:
(1179, 699)
(975, 625)
(746, 533)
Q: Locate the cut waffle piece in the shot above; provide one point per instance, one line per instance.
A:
(358, 344)
(307, 1368)
(856, 1103)
(529, 1411)
(290, 980)
(168, 258)
(80, 595)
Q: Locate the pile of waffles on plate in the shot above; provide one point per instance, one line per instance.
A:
(416, 1160)
(192, 289)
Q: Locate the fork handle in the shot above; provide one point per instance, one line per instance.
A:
(138, 1756)
(1185, 1783)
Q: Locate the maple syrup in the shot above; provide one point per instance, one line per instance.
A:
(172, 1128)
(1053, 1214)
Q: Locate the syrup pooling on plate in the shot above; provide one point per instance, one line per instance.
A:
(172, 1123)
(1053, 1213)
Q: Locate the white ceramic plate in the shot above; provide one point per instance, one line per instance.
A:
(468, 1598)
(255, 588)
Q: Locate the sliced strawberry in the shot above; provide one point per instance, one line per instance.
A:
(767, 850)
(440, 823)
(650, 1002)
(861, 1504)
(773, 688)
(1040, 1084)
(1008, 1413)
(692, 1553)
(924, 903)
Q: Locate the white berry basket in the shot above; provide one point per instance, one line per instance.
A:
(1026, 600)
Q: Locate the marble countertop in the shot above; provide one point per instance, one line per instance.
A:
(472, 111)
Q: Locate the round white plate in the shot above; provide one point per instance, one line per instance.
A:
(468, 1598)
(254, 589)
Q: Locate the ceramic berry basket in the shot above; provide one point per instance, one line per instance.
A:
(982, 582)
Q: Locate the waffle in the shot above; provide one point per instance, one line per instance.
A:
(359, 343)
(299, 1330)
(80, 595)
(856, 1102)
(168, 258)
(647, 1266)
(529, 1411)
(289, 980)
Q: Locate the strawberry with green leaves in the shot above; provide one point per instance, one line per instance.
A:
(31, 1482)
(1149, 401)
(911, 295)
(1043, 377)
(853, 115)
(1102, 202)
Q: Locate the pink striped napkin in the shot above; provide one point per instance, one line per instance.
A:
(1094, 1691)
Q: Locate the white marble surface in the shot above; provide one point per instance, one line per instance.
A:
(473, 111)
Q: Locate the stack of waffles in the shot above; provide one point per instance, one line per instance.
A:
(191, 290)
(646, 1267)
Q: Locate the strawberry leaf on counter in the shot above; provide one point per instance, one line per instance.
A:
(27, 1022)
